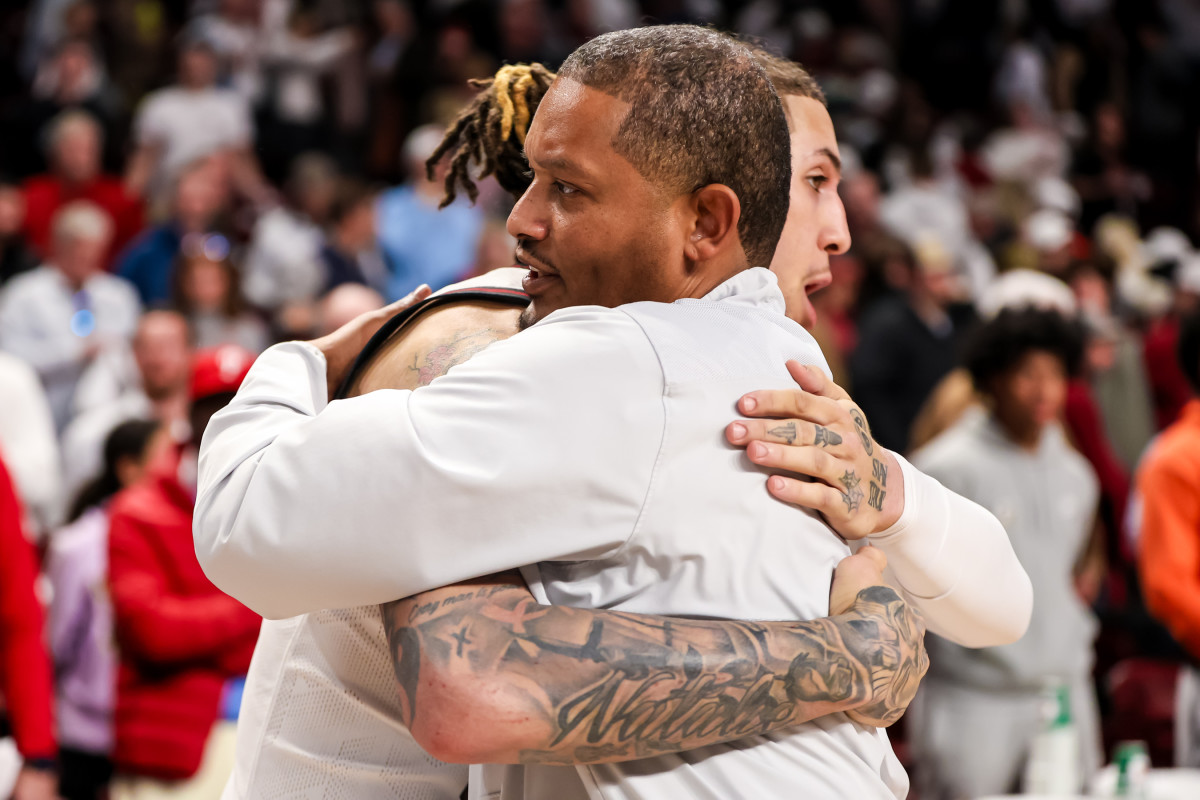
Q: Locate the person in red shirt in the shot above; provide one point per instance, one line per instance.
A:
(183, 644)
(74, 144)
(25, 675)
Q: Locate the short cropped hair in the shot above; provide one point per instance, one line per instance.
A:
(789, 78)
(81, 220)
(1000, 344)
(701, 111)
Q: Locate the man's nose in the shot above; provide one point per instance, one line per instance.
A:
(835, 231)
(527, 219)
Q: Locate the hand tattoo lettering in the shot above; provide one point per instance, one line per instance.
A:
(877, 497)
(853, 495)
(826, 437)
(879, 471)
(786, 432)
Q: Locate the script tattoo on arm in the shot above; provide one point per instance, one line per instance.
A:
(562, 685)
(825, 437)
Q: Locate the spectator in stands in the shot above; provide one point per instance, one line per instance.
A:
(73, 142)
(181, 640)
(162, 356)
(72, 78)
(351, 251)
(300, 56)
(195, 118)
(27, 427)
(80, 626)
(25, 677)
(421, 243)
(200, 201)
(15, 255)
(284, 272)
(1168, 485)
(979, 710)
(907, 343)
(62, 315)
(207, 293)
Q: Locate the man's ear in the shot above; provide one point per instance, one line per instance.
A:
(716, 211)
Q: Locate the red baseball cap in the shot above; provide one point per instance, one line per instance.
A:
(218, 370)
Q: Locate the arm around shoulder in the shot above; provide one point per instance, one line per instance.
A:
(305, 506)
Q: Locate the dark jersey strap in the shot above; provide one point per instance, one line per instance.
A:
(511, 297)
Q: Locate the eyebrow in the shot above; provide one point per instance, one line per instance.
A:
(832, 156)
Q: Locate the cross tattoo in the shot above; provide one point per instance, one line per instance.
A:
(461, 638)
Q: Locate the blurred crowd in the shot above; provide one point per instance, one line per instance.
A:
(185, 182)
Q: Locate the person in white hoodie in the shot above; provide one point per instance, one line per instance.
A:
(295, 652)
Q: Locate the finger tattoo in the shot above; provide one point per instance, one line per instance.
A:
(860, 422)
(786, 432)
(853, 495)
(826, 437)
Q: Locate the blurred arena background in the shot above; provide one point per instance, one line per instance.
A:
(241, 172)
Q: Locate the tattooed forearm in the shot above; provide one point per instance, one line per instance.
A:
(853, 494)
(825, 437)
(554, 684)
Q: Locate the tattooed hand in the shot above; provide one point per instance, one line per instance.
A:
(819, 432)
(893, 636)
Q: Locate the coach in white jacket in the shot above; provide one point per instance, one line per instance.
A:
(659, 516)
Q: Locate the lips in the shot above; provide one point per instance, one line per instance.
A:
(539, 279)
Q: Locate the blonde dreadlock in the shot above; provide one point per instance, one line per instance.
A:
(484, 132)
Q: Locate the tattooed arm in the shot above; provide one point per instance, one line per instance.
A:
(487, 675)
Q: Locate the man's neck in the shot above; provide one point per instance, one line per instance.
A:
(170, 407)
(1026, 437)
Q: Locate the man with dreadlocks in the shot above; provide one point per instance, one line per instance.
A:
(567, 642)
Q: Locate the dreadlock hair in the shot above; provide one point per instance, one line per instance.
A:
(490, 132)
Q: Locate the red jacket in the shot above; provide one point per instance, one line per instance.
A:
(25, 674)
(46, 194)
(179, 636)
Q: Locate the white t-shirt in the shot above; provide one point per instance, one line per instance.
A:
(191, 123)
(644, 391)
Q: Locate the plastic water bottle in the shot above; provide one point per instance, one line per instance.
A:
(1133, 770)
(1053, 766)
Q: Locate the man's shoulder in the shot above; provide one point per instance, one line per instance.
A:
(24, 284)
(1176, 451)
